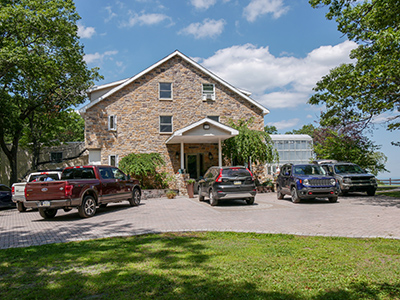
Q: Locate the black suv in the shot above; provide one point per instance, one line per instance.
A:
(306, 181)
(351, 177)
(220, 183)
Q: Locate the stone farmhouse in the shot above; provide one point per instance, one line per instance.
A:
(175, 107)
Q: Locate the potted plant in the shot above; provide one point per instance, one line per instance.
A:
(171, 194)
(269, 185)
(190, 187)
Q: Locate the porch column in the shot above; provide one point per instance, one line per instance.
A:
(182, 156)
(219, 153)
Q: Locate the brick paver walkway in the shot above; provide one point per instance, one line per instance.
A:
(353, 216)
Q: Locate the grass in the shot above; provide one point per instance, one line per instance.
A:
(387, 190)
(201, 265)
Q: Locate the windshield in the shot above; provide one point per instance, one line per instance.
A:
(308, 170)
(344, 169)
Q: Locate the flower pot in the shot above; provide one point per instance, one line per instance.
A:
(190, 190)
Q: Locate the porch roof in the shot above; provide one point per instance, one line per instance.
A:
(205, 131)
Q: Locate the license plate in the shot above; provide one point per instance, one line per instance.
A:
(237, 182)
(44, 203)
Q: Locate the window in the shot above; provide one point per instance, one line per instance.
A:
(165, 90)
(81, 173)
(165, 124)
(113, 160)
(105, 173)
(214, 118)
(56, 156)
(208, 91)
(117, 174)
(112, 122)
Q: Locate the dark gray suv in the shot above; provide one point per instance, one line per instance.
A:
(220, 183)
(351, 177)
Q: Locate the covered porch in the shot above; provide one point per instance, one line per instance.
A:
(195, 148)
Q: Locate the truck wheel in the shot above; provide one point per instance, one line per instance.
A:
(333, 199)
(295, 197)
(21, 207)
(250, 201)
(135, 200)
(213, 201)
(88, 207)
(371, 192)
(201, 197)
(47, 213)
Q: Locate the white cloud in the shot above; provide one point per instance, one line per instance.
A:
(276, 82)
(85, 32)
(111, 14)
(209, 28)
(203, 4)
(99, 57)
(284, 124)
(257, 8)
(145, 19)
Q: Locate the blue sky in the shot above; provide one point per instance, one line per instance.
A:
(275, 49)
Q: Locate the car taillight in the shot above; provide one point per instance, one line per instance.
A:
(25, 192)
(13, 190)
(219, 178)
(68, 190)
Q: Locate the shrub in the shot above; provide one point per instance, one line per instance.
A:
(144, 166)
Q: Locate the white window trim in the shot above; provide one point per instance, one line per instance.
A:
(114, 128)
(116, 159)
(159, 124)
(159, 91)
(208, 96)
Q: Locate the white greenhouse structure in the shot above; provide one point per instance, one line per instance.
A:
(292, 148)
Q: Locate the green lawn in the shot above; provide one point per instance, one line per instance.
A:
(387, 190)
(200, 265)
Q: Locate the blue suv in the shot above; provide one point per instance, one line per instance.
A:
(306, 181)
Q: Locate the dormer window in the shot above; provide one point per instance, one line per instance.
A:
(208, 91)
(112, 123)
(165, 90)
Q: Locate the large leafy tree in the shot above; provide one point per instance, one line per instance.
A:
(348, 144)
(370, 85)
(306, 129)
(50, 129)
(271, 129)
(249, 145)
(41, 66)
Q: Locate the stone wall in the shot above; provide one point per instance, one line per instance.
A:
(138, 109)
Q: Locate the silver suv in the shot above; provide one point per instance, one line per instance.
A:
(351, 177)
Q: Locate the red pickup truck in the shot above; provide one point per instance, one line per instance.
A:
(83, 187)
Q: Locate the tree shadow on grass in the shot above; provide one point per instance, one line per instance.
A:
(167, 266)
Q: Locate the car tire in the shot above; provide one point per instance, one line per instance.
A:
(201, 197)
(279, 194)
(295, 196)
(88, 207)
(333, 199)
(250, 201)
(135, 200)
(371, 192)
(21, 207)
(47, 213)
(213, 200)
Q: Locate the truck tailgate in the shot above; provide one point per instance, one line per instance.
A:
(45, 190)
(19, 191)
